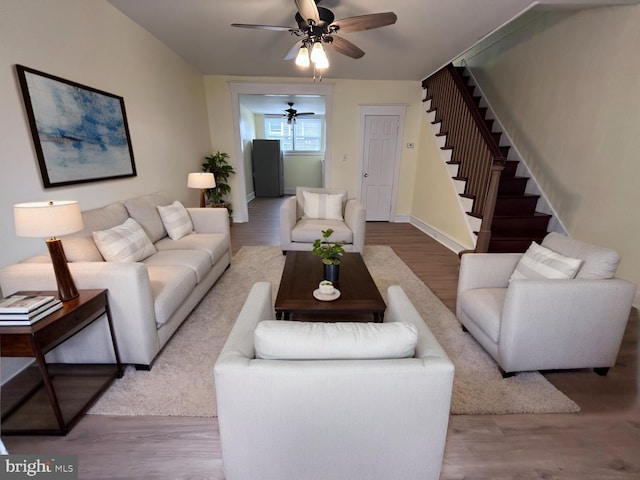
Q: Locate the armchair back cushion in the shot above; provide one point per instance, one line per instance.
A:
(597, 262)
(300, 197)
(323, 206)
(287, 340)
(539, 262)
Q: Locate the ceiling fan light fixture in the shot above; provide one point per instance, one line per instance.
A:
(302, 60)
(322, 62)
(317, 53)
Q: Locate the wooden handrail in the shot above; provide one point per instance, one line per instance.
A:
(484, 235)
(473, 109)
(475, 147)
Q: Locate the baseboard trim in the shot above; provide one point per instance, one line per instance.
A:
(636, 301)
(251, 196)
(438, 236)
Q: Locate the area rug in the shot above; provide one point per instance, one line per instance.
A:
(181, 380)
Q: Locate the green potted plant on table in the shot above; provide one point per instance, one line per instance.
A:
(329, 253)
(218, 165)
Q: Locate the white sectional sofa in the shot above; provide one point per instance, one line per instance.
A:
(149, 298)
(312, 412)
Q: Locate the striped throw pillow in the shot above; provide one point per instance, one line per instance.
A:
(124, 243)
(539, 262)
(176, 220)
(323, 206)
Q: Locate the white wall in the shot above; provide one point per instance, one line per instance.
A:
(92, 43)
(248, 134)
(565, 87)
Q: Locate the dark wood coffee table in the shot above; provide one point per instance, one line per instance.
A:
(301, 276)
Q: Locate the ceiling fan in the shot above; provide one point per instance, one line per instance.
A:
(291, 113)
(317, 27)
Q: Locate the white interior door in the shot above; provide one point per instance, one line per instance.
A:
(379, 165)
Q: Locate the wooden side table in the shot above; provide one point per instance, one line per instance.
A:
(68, 389)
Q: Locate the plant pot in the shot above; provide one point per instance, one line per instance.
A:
(331, 272)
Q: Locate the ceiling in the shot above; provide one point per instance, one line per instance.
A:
(427, 34)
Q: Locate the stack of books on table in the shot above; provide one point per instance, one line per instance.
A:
(26, 309)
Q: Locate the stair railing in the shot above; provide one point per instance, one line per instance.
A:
(475, 148)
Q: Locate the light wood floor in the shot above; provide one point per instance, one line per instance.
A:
(600, 442)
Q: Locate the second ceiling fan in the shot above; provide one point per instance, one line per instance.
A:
(291, 113)
(317, 27)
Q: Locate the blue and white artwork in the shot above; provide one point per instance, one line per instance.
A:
(81, 132)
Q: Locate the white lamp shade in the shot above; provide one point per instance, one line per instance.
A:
(322, 62)
(201, 180)
(302, 60)
(317, 52)
(47, 219)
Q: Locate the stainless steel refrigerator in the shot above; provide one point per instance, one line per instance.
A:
(268, 175)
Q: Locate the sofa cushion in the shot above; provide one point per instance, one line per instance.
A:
(124, 243)
(539, 263)
(307, 230)
(215, 244)
(285, 340)
(170, 285)
(597, 262)
(197, 260)
(143, 209)
(323, 206)
(176, 220)
(484, 305)
(79, 246)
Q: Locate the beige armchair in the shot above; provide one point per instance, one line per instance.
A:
(310, 416)
(301, 224)
(546, 324)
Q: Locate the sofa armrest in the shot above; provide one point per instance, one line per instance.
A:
(210, 220)
(486, 270)
(400, 309)
(587, 317)
(288, 219)
(238, 348)
(354, 217)
(129, 293)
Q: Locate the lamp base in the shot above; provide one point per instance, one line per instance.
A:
(66, 286)
(202, 193)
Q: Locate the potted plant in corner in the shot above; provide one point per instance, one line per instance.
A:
(330, 253)
(218, 165)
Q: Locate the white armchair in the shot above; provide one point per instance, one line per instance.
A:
(298, 231)
(347, 419)
(542, 324)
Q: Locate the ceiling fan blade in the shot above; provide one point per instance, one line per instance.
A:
(304, 113)
(263, 27)
(293, 51)
(345, 47)
(364, 22)
(308, 10)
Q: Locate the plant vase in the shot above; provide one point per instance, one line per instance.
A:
(331, 273)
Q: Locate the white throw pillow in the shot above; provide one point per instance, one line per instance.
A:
(539, 262)
(124, 243)
(176, 220)
(288, 340)
(323, 206)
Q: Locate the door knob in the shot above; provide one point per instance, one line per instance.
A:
(365, 175)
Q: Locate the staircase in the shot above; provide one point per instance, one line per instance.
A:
(461, 127)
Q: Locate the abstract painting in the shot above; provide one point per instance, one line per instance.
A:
(80, 134)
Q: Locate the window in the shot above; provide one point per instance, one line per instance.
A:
(305, 135)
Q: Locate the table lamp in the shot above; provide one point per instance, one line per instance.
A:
(201, 180)
(50, 219)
